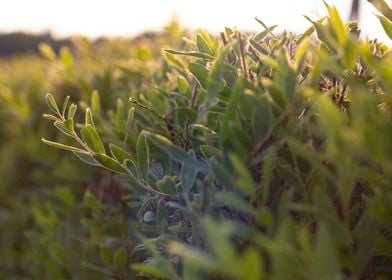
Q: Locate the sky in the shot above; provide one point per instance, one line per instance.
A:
(130, 17)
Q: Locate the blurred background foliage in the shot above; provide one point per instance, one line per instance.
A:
(42, 190)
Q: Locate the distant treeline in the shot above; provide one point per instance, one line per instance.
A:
(19, 43)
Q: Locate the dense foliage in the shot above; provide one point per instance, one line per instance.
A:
(44, 193)
(258, 156)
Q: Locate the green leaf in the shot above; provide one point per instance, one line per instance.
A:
(47, 51)
(185, 114)
(187, 178)
(261, 35)
(183, 85)
(120, 154)
(251, 264)
(57, 252)
(92, 202)
(195, 256)
(87, 158)
(337, 23)
(176, 152)
(382, 7)
(262, 116)
(202, 45)
(285, 76)
(52, 103)
(230, 113)
(258, 47)
(305, 35)
(128, 125)
(235, 201)
(66, 58)
(191, 53)
(365, 246)
(200, 72)
(71, 111)
(105, 255)
(162, 216)
(120, 259)
(89, 118)
(178, 229)
(119, 118)
(323, 34)
(380, 209)
(203, 128)
(326, 261)
(143, 208)
(148, 269)
(265, 26)
(110, 163)
(178, 63)
(51, 117)
(244, 179)
(63, 147)
(206, 38)
(65, 126)
(95, 103)
(65, 104)
(215, 82)
(131, 167)
(167, 185)
(267, 173)
(387, 25)
(92, 139)
(142, 156)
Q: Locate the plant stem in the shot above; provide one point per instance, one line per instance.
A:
(242, 55)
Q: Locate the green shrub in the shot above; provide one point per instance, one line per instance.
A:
(46, 218)
(255, 156)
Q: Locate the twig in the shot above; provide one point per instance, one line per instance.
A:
(222, 34)
(194, 94)
(166, 120)
(244, 68)
(148, 109)
(259, 145)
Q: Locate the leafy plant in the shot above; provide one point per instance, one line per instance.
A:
(261, 156)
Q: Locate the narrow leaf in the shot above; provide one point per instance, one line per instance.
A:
(89, 118)
(87, 158)
(131, 167)
(142, 156)
(214, 80)
(382, 7)
(50, 117)
(175, 152)
(387, 25)
(65, 104)
(167, 185)
(52, 103)
(62, 146)
(266, 27)
(95, 103)
(119, 153)
(71, 111)
(200, 72)
(110, 163)
(92, 139)
(120, 259)
(191, 53)
(183, 85)
(128, 125)
(65, 126)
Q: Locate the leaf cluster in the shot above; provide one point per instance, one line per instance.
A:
(261, 156)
